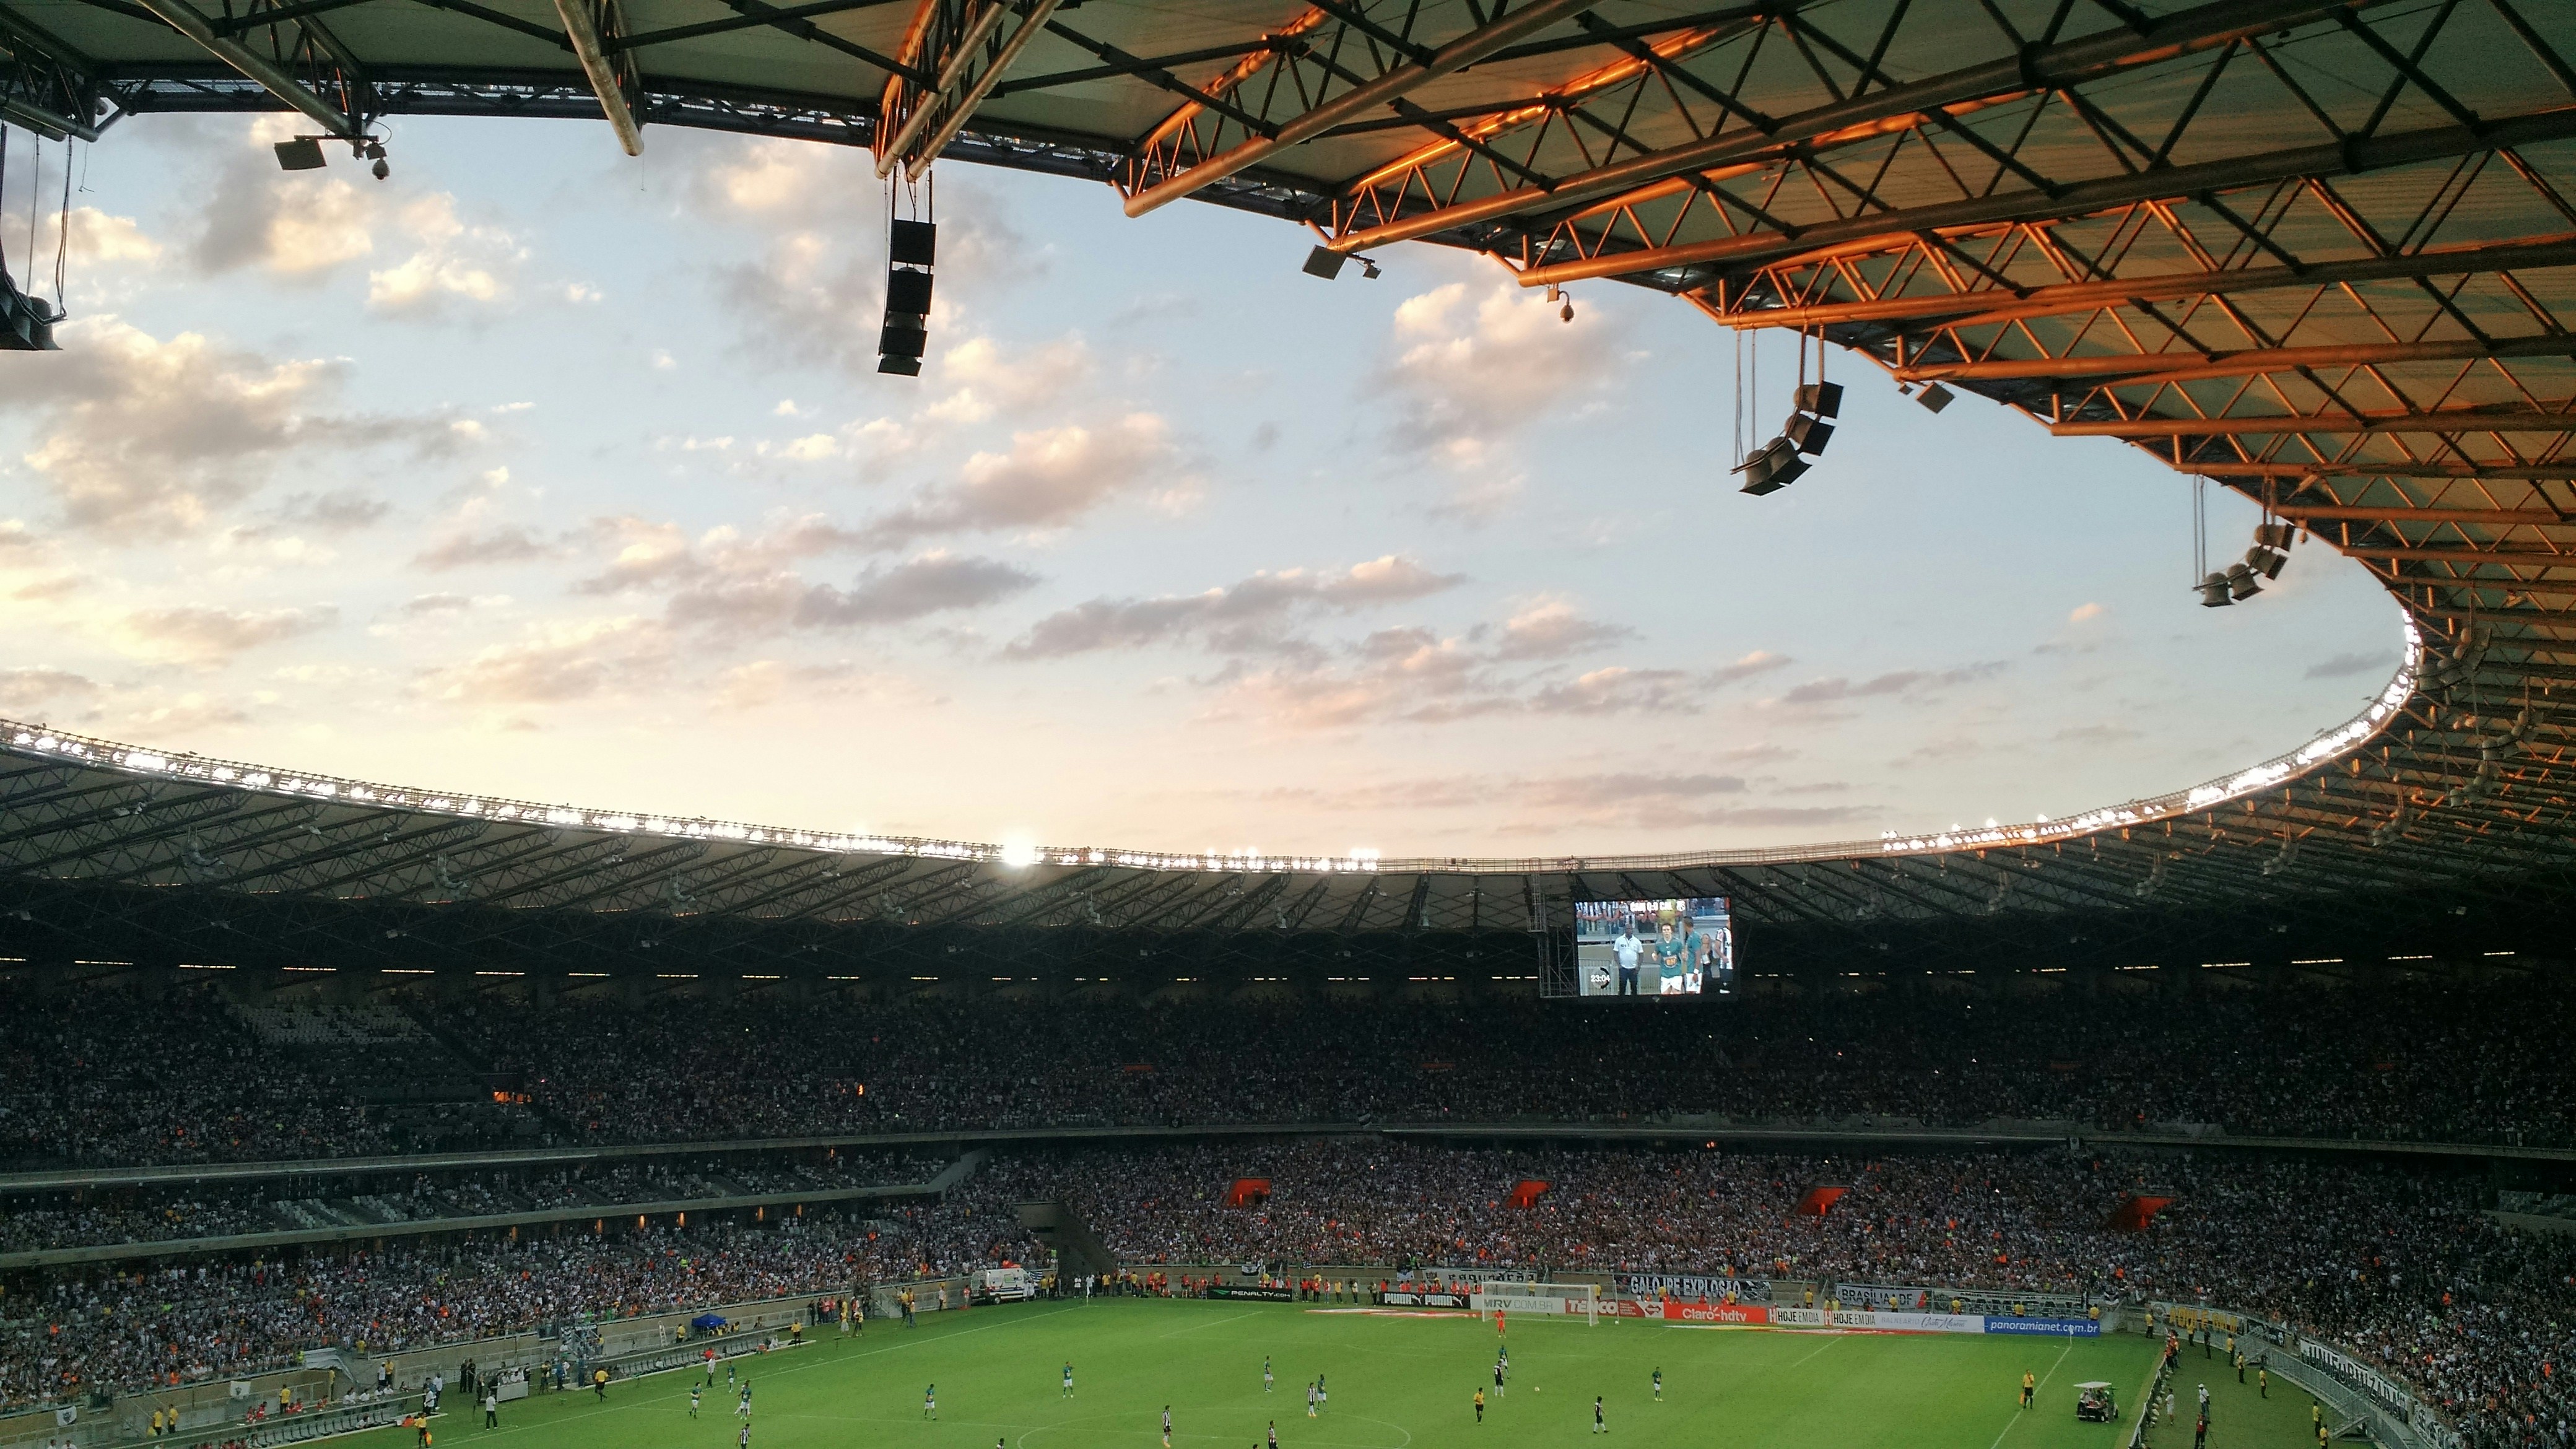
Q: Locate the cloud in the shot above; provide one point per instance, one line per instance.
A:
(1467, 372)
(2341, 665)
(730, 582)
(1551, 629)
(1241, 617)
(477, 548)
(34, 687)
(1049, 478)
(1622, 691)
(205, 634)
(292, 223)
(143, 437)
(452, 264)
(1837, 688)
(561, 663)
(342, 510)
(97, 238)
(2086, 613)
(1759, 661)
(935, 583)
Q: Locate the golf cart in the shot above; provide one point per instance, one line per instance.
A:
(2093, 1403)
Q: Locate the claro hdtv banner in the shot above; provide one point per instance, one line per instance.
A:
(1716, 1313)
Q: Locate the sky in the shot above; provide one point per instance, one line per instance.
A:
(543, 472)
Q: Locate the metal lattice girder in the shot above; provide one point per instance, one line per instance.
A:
(1334, 63)
(965, 48)
(1761, 140)
(1993, 305)
(334, 91)
(46, 85)
(1875, 230)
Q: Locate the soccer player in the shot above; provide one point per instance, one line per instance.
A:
(1625, 948)
(1310, 1401)
(1599, 1426)
(1498, 1378)
(1659, 1386)
(930, 1402)
(1498, 1323)
(1068, 1378)
(1274, 1434)
(2029, 1387)
(1167, 1426)
(1265, 1373)
(1480, 1406)
(693, 1401)
(743, 1439)
(1323, 1396)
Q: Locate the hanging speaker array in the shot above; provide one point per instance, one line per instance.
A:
(912, 249)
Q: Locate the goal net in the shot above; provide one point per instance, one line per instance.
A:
(1540, 1301)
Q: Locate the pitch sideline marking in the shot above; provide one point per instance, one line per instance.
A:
(1209, 1323)
(2019, 1415)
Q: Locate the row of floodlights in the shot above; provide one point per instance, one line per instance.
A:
(2241, 581)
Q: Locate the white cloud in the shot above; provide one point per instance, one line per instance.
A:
(205, 634)
(1049, 478)
(143, 436)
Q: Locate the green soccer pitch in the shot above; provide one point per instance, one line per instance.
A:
(1394, 1382)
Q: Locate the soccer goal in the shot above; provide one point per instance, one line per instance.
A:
(1541, 1301)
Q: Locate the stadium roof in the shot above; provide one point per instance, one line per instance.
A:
(2320, 252)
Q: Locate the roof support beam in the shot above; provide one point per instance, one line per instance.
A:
(1457, 55)
(1907, 226)
(965, 75)
(2132, 369)
(2451, 420)
(1985, 308)
(2048, 67)
(2366, 468)
(2400, 513)
(183, 17)
(590, 24)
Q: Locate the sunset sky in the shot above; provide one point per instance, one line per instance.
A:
(543, 472)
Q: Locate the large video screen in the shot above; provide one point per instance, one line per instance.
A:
(1668, 948)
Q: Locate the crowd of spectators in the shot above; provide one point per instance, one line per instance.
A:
(113, 1077)
(127, 1329)
(36, 1221)
(2419, 1062)
(2397, 1264)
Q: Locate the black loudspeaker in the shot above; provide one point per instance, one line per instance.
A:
(907, 293)
(1824, 399)
(913, 243)
(902, 337)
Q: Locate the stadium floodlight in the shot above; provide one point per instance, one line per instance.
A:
(1807, 434)
(2213, 592)
(303, 153)
(2241, 584)
(2275, 535)
(1824, 399)
(1324, 262)
(2266, 561)
(1934, 397)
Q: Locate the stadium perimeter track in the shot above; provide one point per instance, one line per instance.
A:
(2318, 251)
